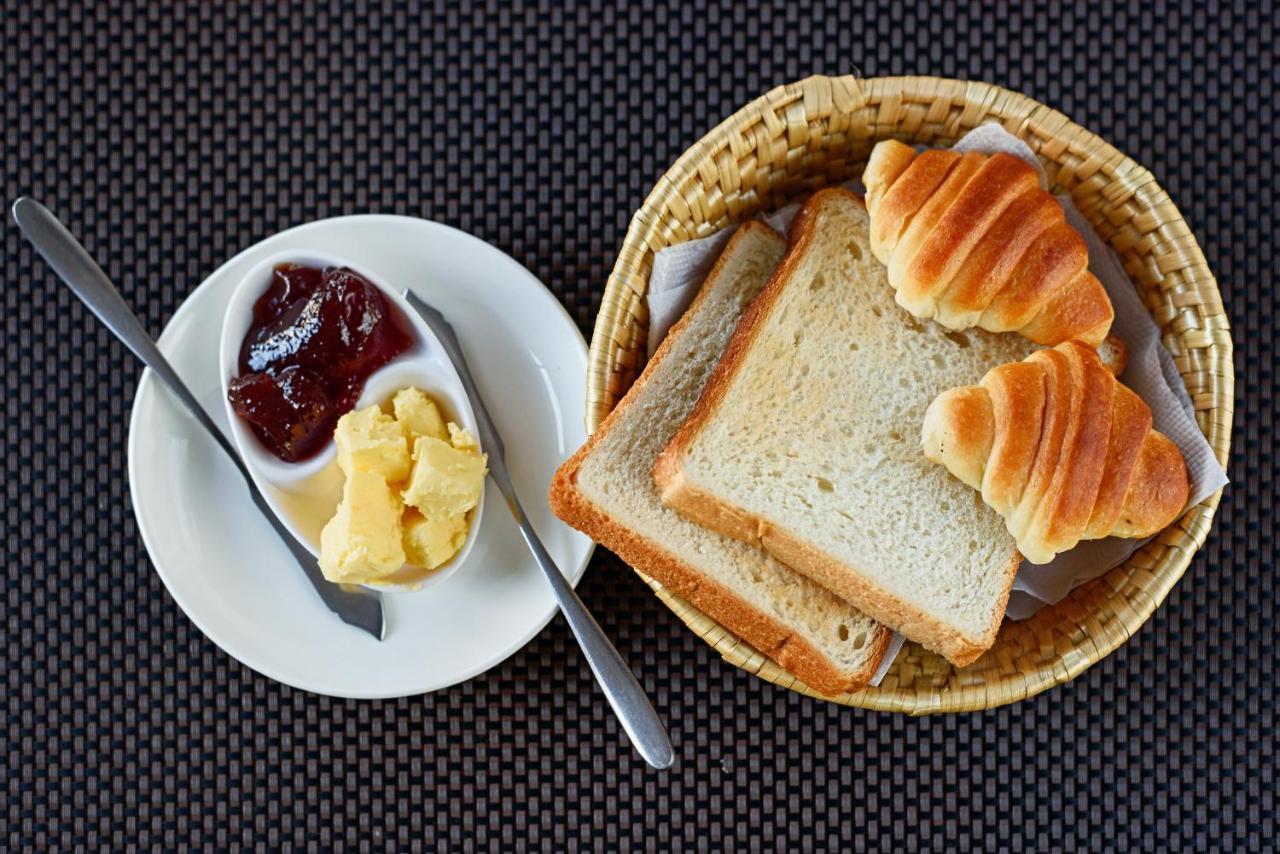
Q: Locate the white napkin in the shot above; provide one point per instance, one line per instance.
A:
(678, 271)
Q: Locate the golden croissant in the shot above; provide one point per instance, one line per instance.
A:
(1061, 449)
(973, 240)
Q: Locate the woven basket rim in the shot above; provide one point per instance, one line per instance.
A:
(788, 109)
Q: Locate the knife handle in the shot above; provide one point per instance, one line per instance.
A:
(76, 267)
(621, 689)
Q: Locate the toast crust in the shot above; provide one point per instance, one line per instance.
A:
(844, 580)
(769, 636)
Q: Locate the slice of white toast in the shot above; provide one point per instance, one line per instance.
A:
(806, 440)
(607, 491)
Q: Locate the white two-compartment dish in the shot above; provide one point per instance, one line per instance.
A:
(305, 494)
(228, 570)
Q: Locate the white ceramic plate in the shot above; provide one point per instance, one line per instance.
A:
(237, 582)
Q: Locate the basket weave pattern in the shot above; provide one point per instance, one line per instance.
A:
(819, 132)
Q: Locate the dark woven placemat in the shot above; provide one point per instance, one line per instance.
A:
(169, 139)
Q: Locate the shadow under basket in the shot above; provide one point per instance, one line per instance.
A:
(818, 133)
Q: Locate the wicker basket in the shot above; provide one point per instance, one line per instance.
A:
(818, 133)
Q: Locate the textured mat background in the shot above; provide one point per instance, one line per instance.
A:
(170, 139)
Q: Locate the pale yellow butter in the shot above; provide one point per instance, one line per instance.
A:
(445, 480)
(362, 541)
(370, 440)
(418, 415)
(461, 439)
(372, 534)
(430, 542)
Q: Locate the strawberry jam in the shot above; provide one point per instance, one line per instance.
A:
(316, 337)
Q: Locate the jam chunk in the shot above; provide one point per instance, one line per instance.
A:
(291, 411)
(316, 337)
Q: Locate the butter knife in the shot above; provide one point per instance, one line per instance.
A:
(355, 606)
(619, 684)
